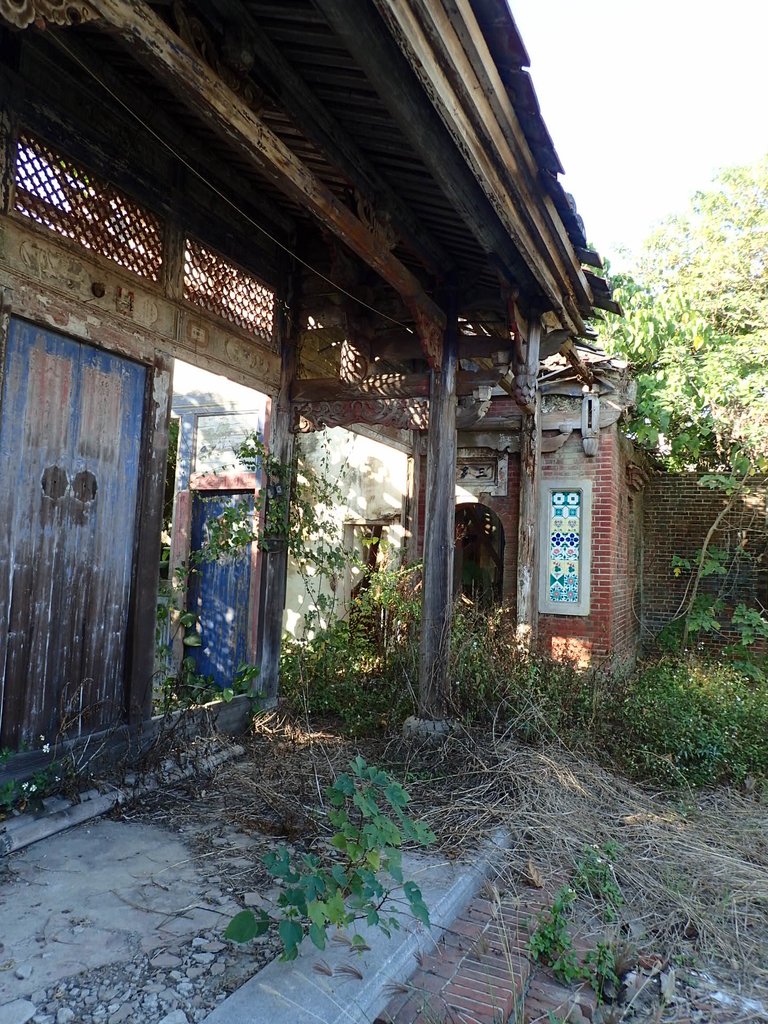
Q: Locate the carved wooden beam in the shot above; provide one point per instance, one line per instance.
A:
(23, 13)
(384, 385)
(152, 42)
(403, 413)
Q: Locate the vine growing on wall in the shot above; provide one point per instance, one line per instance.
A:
(296, 509)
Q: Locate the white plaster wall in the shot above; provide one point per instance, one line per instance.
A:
(373, 480)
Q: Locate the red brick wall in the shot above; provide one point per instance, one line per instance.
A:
(611, 631)
(677, 515)
(587, 638)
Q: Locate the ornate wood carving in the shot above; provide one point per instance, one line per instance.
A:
(403, 413)
(430, 332)
(232, 61)
(23, 13)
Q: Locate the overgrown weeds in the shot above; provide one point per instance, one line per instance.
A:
(676, 722)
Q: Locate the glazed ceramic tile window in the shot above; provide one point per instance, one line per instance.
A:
(565, 553)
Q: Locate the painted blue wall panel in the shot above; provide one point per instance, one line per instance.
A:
(220, 593)
(70, 443)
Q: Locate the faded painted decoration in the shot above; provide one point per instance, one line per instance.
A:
(70, 443)
(564, 548)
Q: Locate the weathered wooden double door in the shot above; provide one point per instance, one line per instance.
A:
(70, 443)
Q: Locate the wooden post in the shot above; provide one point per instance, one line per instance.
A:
(530, 472)
(437, 602)
(276, 561)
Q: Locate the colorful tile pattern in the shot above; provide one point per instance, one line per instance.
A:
(564, 547)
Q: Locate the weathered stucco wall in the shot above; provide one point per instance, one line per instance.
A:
(372, 478)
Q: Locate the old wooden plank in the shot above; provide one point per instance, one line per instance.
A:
(530, 472)
(237, 124)
(458, 41)
(148, 543)
(417, 34)
(439, 529)
(387, 385)
(281, 447)
(51, 279)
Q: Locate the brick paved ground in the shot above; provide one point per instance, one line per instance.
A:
(479, 972)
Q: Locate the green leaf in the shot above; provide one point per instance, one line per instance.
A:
(317, 936)
(291, 934)
(246, 926)
(193, 640)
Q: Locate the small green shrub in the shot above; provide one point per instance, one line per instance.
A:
(368, 810)
(595, 874)
(695, 723)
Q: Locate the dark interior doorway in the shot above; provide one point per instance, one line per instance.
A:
(479, 557)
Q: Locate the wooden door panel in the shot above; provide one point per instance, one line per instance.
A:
(70, 443)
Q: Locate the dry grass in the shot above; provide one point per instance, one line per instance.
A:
(693, 869)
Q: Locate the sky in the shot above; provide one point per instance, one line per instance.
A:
(645, 101)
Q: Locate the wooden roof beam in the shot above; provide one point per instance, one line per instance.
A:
(279, 78)
(152, 42)
(361, 29)
(407, 19)
(385, 385)
(462, 40)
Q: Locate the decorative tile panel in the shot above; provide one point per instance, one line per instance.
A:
(564, 553)
(565, 538)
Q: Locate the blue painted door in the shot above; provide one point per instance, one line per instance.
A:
(70, 442)
(220, 592)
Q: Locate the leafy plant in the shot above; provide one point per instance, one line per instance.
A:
(551, 941)
(696, 723)
(595, 874)
(368, 812)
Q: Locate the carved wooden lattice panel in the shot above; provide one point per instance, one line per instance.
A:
(215, 284)
(55, 192)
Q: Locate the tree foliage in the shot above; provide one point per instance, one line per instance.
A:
(696, 329)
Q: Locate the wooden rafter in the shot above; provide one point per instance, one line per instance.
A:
(196, 84)
(361, 29)
(280, 78)
(427, 35)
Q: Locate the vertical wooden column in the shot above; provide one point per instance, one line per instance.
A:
(154, 462)
(439, 530)
(276, 560)
(530, 473)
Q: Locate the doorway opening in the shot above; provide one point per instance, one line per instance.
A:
(479, 554)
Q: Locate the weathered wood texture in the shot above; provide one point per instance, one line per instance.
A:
(195, 83)
(530, 472)
(70, 447)
(388, 385)
(146, 556)
(500, 160)
(276, 560)
(279, 77)
(386, 68)
(437, 601)
(51, 281)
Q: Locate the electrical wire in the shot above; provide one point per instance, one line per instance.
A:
(230, 202)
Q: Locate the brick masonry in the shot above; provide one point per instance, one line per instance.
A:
(678, 513)
(636, 531)
(480, 972)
